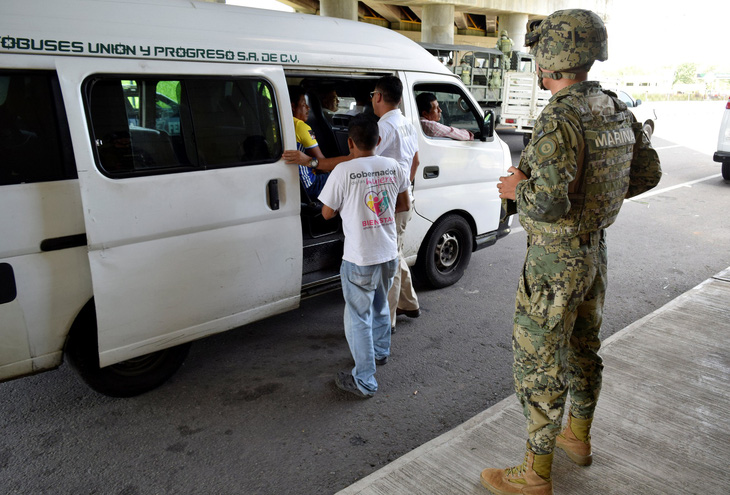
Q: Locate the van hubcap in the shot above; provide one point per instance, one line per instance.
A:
(447, 251)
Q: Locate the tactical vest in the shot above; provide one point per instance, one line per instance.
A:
(602, 176)
(505, 45)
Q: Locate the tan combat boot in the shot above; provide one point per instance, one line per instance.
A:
(532, 477)
(575, 440)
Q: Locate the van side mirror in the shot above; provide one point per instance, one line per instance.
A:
(637, 103)
(487, 126)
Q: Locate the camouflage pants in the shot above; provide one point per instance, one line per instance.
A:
(558, 313)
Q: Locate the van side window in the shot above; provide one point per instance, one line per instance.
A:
(34, 139)
(457, 109)
(144, 126)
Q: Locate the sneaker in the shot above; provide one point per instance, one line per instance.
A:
(578, 450)
(521, 479)
(346, 382)
(410, 313)
(382, 361)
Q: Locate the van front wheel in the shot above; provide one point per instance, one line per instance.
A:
(446, 252)
(126, 379)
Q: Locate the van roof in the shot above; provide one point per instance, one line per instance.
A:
(440, 47)
(184, 30)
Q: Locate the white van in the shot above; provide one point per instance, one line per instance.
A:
(144, 203)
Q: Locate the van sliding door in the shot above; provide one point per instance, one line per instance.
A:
(191, 216)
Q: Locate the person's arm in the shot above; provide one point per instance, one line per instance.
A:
(331, 196)
(552, 163)
(460, 134)
(402, 202)
(437, 129)
(325, 164)
(328, 213)
(508, 184)
(414, 167)
(385, 138)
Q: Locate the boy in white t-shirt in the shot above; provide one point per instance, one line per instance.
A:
(367, 191)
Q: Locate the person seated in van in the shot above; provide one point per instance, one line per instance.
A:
(362, 105)
(330, 102)
(430, 114)
(367, 191)
(314, 168)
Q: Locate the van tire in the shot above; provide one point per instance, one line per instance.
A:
(446, 252)
(726, 170)
(526, 137)
(126, 379)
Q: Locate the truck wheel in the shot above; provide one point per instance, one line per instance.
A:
(726, 170)
(446, 252)
(126, 379)
(526, 139)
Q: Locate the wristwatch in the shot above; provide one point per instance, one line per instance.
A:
(313, 163)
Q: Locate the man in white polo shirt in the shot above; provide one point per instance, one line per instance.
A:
(398, 139)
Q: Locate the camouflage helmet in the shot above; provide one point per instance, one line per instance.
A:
(568, 39)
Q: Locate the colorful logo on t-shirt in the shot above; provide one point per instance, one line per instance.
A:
(377, 202)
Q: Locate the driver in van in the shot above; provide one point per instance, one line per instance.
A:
(430, 115)
(314, 168)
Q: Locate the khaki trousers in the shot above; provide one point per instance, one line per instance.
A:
(401, 294)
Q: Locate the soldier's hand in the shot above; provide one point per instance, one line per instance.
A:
(508, 183)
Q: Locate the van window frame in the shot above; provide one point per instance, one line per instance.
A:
(196, 164)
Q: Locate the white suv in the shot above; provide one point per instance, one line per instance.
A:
(723, 143)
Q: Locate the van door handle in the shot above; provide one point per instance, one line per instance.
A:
(273, 190)
(430, 172)
(65, 242)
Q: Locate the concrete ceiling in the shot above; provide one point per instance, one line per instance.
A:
(390, 10)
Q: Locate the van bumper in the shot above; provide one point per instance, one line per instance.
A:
(721, 156)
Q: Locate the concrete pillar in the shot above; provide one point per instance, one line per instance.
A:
(437, 24)
(516, 26)
(342, 9)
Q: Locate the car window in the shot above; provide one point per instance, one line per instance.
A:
(457, 109)
(34, 138)
(623, 96)
(144, 125)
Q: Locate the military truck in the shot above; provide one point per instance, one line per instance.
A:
(523, 102)
(480, 69)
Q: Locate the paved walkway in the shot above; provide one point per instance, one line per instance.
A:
(662, 424)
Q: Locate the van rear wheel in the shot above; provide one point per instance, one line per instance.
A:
(726, 170)
(127, 378)
(446, 252)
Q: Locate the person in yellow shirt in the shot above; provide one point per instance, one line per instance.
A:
(314, 167)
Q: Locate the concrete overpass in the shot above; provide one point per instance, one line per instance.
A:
(469, 22)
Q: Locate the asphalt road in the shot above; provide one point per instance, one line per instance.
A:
(255, 411)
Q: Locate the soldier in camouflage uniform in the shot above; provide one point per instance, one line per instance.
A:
(504, 45)
(586, 156)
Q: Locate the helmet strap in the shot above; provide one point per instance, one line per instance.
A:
(552, 75)
(540, 83)
(559, 75)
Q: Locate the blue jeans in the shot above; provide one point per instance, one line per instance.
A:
(367, 317)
